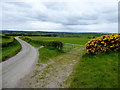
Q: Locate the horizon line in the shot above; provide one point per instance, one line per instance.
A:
(61, 31)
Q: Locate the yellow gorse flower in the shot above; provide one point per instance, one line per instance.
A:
(104, 43)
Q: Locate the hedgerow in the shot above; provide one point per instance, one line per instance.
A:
(104, 43)
(50, 43)
(8, 42)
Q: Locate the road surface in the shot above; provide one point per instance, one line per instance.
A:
(17, 67)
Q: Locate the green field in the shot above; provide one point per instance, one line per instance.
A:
(97, 71)
(4, 40)
(71, 40)
(10, 49)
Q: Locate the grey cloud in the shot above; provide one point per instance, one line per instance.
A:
(19, 4)
(67, 17)
(59, 6)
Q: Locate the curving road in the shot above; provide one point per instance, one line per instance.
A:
(17, 67)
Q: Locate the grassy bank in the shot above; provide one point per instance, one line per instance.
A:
(30, 42)
(97, 71)
(9, 50)
(47, 53)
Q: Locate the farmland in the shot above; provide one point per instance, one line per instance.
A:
(55, 44)
(9, 48)
(91, 71)
(72, 40)
(69, 53)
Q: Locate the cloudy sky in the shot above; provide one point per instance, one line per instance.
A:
(61, 16)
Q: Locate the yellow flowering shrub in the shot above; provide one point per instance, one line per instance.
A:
(102, 44)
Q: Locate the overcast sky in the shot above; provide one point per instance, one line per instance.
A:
(72, 16)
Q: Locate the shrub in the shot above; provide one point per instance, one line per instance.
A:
(55, 44)
(102, 44)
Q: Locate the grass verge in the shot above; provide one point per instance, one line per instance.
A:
(30, 42)
(10, 50)
(96, 71)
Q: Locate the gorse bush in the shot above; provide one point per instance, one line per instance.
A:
(102, 44)
(50, 43)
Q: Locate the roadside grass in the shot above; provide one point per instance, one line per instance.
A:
(10, 50)
(96, 71)
(4, 40)
(48, 52)
(30, 42)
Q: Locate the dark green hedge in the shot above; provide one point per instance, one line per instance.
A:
(56, 44)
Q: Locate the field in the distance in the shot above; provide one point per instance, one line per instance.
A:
(79, 39)
(74, 40)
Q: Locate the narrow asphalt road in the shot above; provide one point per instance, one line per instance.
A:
(17, 67)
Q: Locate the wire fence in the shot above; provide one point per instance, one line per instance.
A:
(67, 46)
